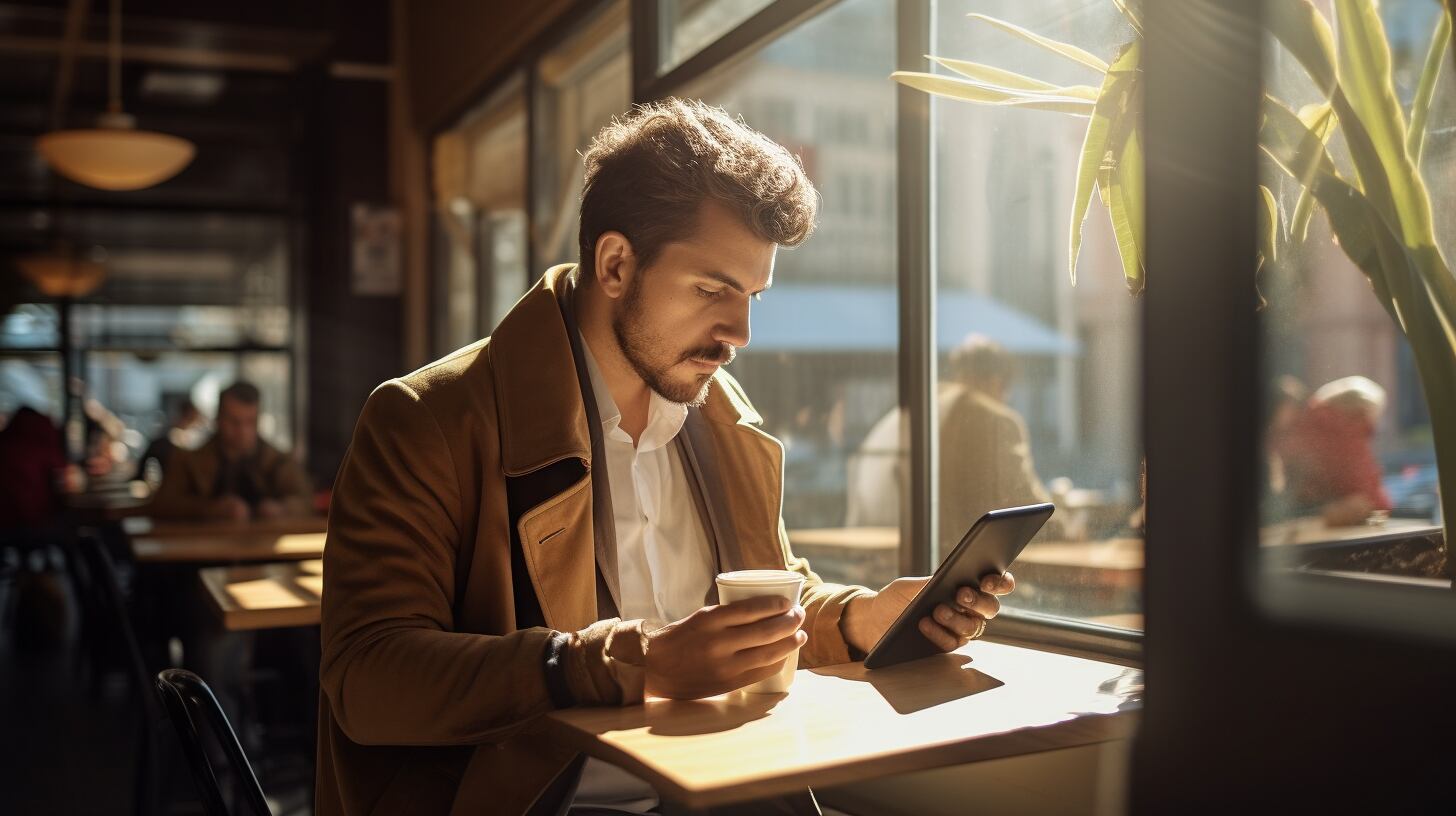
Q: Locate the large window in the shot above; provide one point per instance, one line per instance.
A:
(480, 218)
(1038, 377)
(1350, 471)
(580, 85)
(821, 367)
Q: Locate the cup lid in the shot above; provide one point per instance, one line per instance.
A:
(760, 577)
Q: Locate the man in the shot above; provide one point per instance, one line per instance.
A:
(985, 458)
(235, 476)
(513, 523)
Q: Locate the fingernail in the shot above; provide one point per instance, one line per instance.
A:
(968, 597)
(988, 584)
(943, 614)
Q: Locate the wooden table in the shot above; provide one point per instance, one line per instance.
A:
(224, 546)
(164, 528)
(844, 723)
(266, 596)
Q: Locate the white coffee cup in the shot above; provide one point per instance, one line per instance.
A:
(736, 586)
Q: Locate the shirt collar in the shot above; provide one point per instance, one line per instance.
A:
(665, 418)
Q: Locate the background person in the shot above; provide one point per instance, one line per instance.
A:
(236, 475)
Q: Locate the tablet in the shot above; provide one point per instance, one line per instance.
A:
(992, 543)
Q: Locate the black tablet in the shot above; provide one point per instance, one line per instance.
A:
(992, 543)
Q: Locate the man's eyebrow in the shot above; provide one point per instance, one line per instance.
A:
(728, 281)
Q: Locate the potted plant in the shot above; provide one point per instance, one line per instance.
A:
(1380, 215)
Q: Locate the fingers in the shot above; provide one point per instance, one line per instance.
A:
(765, 630)
(1003, 584)
(939, 635)
(748, 610)
(963, 626)
(984, 604)
(769, 654)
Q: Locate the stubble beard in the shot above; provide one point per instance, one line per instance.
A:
(648, 353)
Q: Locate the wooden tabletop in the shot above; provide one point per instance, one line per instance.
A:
(166, 528)
(844, 723)
(223, 546)
(266, 596)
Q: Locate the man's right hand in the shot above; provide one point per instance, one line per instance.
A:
(721, 648)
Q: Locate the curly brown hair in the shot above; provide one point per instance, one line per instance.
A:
(648, 173)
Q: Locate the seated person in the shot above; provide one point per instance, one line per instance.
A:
(184, 433)
(235, 476)
(1329, 455)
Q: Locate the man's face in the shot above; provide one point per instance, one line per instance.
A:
(237, 427)
(687, 314)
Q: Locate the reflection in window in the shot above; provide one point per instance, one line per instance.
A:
(1038, 378)
(689, 26)
(480, 218)
(580, 85)
(821, 367)
(1351, 477)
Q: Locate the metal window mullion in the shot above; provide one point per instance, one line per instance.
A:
(914, 237)
(647, 22)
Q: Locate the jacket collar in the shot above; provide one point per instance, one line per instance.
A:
(542, 414)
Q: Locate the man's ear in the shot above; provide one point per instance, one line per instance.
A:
(616, 264)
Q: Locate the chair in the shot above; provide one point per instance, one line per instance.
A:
(96, 580)
(194, 710)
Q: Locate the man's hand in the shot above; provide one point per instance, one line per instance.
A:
(868, 617)
(229, 508)
(721, 648)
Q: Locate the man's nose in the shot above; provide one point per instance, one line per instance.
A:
(734, 329)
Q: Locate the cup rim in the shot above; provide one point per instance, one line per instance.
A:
(759, 577)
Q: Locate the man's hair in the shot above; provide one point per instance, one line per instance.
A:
(647, 175)
(241, 392)
(979, 361)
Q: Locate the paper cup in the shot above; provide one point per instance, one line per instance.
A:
(736, 586)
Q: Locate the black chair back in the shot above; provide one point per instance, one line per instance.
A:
(194, 711)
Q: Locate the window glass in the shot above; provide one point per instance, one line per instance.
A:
(580, 85)
(480, 217)
(1038, 377)
(1351, 478)
(689, 26)
(821, 367)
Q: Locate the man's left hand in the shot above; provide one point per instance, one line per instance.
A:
(949, 626)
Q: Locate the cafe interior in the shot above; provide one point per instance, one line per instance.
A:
(1181, 270)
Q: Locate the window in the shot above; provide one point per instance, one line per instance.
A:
(480, 218)
(690, 25)
(1351, 477)
(580, 85)
(1038, 378)
(821, 366)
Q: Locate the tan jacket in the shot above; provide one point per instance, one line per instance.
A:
(436, 613)
(191, 476)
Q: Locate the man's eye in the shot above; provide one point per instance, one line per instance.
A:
(709, 293)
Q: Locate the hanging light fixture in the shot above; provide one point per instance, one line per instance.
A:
(114, 155)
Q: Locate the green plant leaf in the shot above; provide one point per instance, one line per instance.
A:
(1268, 213)
(1320, 120)
(1012, 81)
(1071, 52)
(1415, 140)
(980, 93)
(1299, 26)
(1126, 207)
(1111, 103)
(1363, 67)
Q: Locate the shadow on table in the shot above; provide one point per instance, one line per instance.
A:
(685, 718)
(919, 684)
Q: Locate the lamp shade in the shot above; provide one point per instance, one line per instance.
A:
(113, 158)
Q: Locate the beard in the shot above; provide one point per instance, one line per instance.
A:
(653, 357)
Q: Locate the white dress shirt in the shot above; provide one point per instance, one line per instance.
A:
(665, 564)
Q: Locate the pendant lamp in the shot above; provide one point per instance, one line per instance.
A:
(114, 155)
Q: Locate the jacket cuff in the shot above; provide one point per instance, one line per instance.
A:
(606, 663)
(827, 645)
